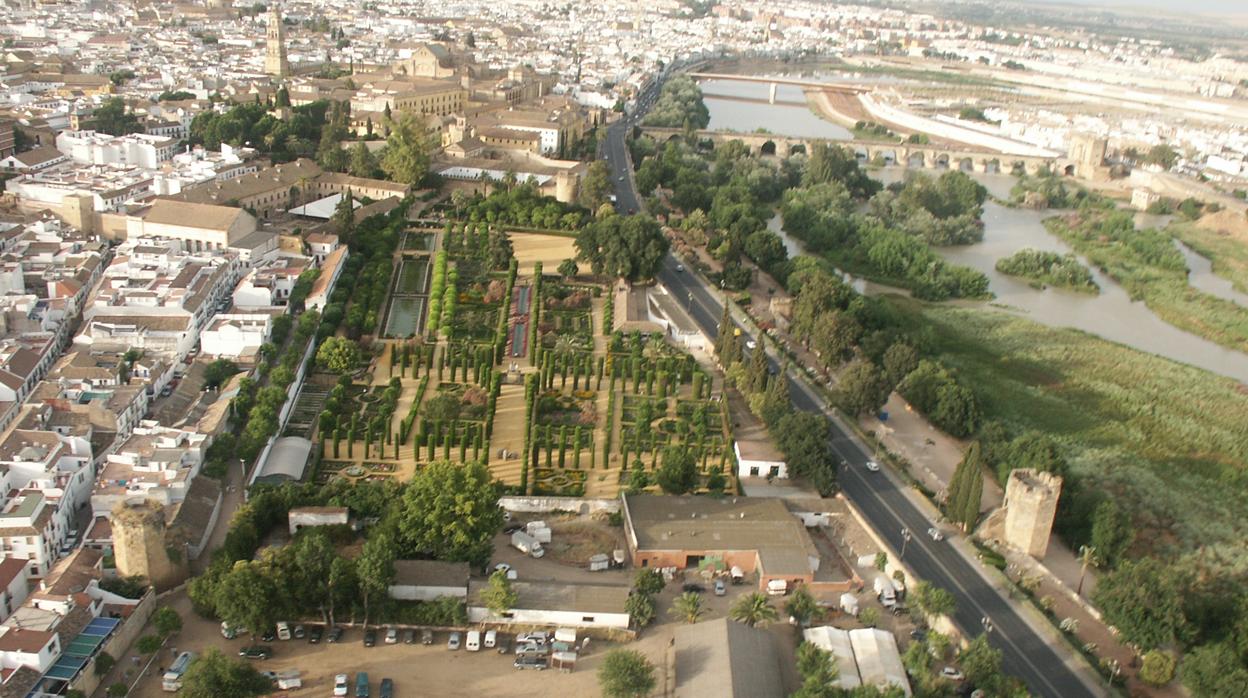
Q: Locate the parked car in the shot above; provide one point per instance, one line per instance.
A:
(502, 567)
(952, 674)
(361, 685)
(256, 652)
(300, 632)
(335, 634)
(513, 527)
(409, 637)
(473, 643)
(268, 636)
(426, 637)
(720, 588)
(392, 636)
(529, 661)
(935, 534)
(386, 689)
(341, 685)
(532, 648)
(695, 588)
(370, 638)
(534, 637)
(873, 466)
(316, 633)
(491, 638)
(453, 642)
(283, 630)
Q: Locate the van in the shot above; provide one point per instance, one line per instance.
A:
(283, 630)
(229, 632)
(491, 638)
(361, 685)
(777, 587)
(473, 643)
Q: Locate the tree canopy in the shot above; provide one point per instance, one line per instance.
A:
(450, 511)
(679, 105)
(213, 675)
(629, 247)
(626, 674)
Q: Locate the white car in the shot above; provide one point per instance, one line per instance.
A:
(873, 466)
(935, 534)
(340, 685)
(536, 638)
(751, 344)
(952, 674)
(392, 636)
(502, 567)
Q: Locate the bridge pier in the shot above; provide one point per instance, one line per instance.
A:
(771, 94)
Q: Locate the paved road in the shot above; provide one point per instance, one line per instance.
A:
(1025, 653)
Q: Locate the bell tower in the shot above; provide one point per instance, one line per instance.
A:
(275, 62)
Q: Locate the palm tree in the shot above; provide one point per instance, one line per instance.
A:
(753, 609)
(1087, 558)
(688, 606)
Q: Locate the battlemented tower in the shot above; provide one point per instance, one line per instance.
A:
(140, 548)
(275, 62)
(1030, 507)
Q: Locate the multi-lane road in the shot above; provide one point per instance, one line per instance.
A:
(1025, 653)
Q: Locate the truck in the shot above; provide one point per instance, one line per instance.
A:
(527, 544)
(539, 530)
(172, 680)
(737, 574)
(885, 591)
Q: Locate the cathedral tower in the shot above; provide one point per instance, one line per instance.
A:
(275, 62)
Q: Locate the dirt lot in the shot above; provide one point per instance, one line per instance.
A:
(550, 250)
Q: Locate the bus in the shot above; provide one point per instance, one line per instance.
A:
(172, 680)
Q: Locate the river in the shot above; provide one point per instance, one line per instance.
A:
(1111, 314)
(749, 117)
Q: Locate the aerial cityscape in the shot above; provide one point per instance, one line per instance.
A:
(640, 350)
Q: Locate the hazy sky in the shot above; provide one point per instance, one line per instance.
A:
(1238, 8)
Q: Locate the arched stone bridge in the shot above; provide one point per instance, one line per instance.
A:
(904, 154)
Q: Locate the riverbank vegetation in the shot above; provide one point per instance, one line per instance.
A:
(1227, 252)
(1047, 190)
(890, 242)
(1148, 265)
(679, 105)
(1049, 269)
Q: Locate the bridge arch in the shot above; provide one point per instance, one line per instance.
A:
(767, 148)
(992, 166)
(797, 148)
(941, 161)
(966, 164)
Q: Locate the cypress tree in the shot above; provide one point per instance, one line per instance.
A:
(756, 377)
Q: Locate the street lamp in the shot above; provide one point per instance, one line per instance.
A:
(905, 538)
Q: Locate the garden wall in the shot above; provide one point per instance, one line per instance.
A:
(125, 635)
(580, 505)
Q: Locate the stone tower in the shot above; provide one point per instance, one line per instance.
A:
(275, 62)
(1088, 152)
(565, 186)
(1030, 505)
(140, 547)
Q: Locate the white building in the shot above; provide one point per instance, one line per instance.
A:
(759, 458)
(427, 580)
(136, 149)
(14, 585)
(155, 462)
(865, 656)
(567, 605)
(36, 649)
(236, 335)
(305, 517)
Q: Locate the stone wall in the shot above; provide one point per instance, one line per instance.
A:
(118, 644)
(541, 505)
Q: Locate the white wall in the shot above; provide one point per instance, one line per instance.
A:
(564, 619)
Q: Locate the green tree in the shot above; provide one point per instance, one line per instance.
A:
(688, 607)
(966, 489)
(625, 674)
(450, 511)
(1214, 671)
(1162, 155)
(362, 162)
(834, 336)
(375, 568)
(1144, 600)
(679, 472)
(861, 388)
(753, 609)
(869, 616)
(595, 186)
(104, 662)
(149, 644)
(819, 672)
(931, 600)
(640, 608)
(213, 675)
(113, 118)
(342, 585)
(981, 663)
(344, 215)
(406, 156)
(648, 581)
(166, 621)
(246, 597)
(118, 690)
(1157, 668)
(1112, 532)
(629, 247)
(338, 355)
(498, 595)
(801, 606)
(899, 360)
(567, 268)
(218, 372)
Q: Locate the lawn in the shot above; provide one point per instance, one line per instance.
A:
(1170, 437)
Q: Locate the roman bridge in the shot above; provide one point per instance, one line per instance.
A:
(905, 154)
(773, 82)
